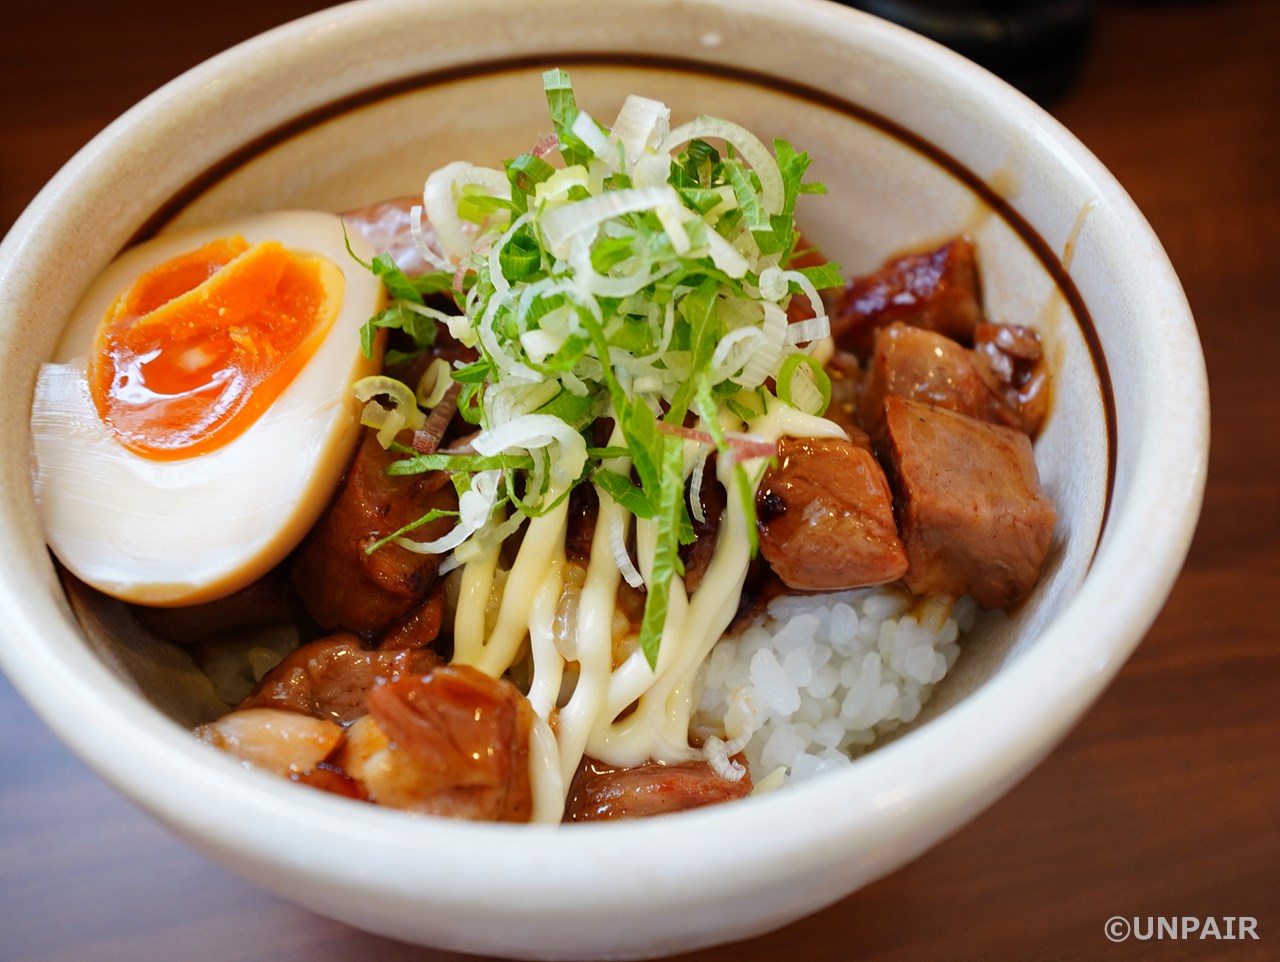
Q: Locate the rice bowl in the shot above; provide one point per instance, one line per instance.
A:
(896, 800)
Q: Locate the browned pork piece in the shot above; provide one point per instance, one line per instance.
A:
(826, 517)
(331, 678)
(937, 290)
(1010, 359)
(453, 742)
(922, 365)
(601, 792)
(419, 627)
(343, 585)
(972, 514)
(281, 742)
(1003, 379)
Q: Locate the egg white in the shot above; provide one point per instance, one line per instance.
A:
(192, 530)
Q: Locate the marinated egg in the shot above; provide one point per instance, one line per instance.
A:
(198, 412)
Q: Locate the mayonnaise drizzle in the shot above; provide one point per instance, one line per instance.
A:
(528, 599)
(594, 631)
(594, 719)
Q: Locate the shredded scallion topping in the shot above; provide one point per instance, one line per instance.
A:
(643, 280)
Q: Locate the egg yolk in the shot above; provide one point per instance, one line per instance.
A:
(200, 346)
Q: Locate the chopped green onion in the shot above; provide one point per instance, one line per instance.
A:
(641, 275)
(400, 412)
(809, 390)
(434, 383)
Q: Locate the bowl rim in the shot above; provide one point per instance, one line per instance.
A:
(989, 740)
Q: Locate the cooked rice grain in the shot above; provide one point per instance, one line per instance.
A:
(817, 679)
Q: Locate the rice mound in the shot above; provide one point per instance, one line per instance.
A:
(816, 680)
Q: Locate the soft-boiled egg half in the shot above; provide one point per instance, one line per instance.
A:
(198, 412)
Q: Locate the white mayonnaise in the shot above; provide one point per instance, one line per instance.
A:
(628, 713)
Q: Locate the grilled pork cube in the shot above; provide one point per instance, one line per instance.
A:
(345, 586)
(331, 678)
(969, 504)
(1010, 359)
(419, 628)
(937, 290)
(453, 742)
(601, 792)
(282, 742)
(922, 365)
(825, 515)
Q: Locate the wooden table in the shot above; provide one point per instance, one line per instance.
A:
(1164, 801)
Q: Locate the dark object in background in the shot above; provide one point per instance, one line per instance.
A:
(1036, 45)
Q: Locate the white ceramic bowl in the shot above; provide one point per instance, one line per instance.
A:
(360, 102)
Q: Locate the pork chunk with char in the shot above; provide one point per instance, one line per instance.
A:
(283, 742)
(331, 678)
(971, 511)
(922, 365)
(1002, 379)
(1010, 358)
(601, 792)
(452, 742)
(937, 290)
(344, 585)
(420, 627)
(580, 523)
(825, 515)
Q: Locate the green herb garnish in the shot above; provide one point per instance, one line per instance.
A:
(643, 279)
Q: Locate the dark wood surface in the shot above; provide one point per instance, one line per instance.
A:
(1164, 801)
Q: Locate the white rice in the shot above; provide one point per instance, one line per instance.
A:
(812, 683)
